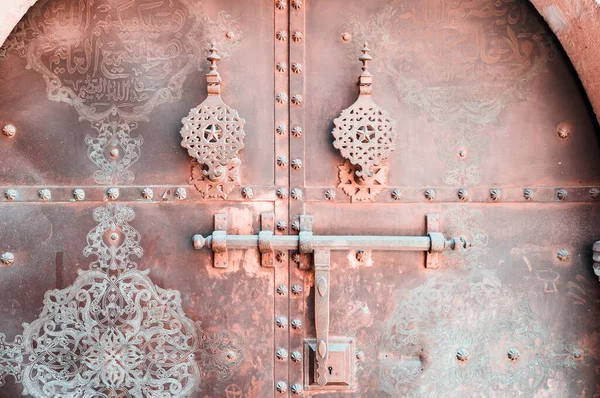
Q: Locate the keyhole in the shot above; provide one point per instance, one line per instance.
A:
(330, 370)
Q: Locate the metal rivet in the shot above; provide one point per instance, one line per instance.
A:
(281, 256)
(296, 257)
(296, 389)
(281, 129)
(594, 193)
(361, 256)
(296, 324)
(296, 67)
(297, 99)
(563, 130)
(495, 194)
(281, 225)
(281, 98)
(281, 193)
(147, 193)
(281, 322)
(360, 355)
(114, 153)
(281, 67)
(281, 4)
(396, 194)
(562, 194)
(45, 194)
(282, 354)
(114, 236)
(577, 354)
(281, 387)
(462, 354)
(296, 356)
(463, 194)
(563, 255)
(296, 194)
(10, 194)
(528, 194)
(297, 4)
(430, 194)
(297, 131)
(281, 35)
(296, 289)
(9, 130)
(462, 153)
(513, 354)
(282, 161)
(346, 37)
(113, 193)
(79, 194)
(247, 193)
(180, 193)
(230, 35)
(330, 194)
(296, 226)
(297, 37)
(7, 258)
(282, 290)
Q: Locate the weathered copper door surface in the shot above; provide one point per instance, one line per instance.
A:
(433, 238)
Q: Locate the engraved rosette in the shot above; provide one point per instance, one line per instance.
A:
(365, 135)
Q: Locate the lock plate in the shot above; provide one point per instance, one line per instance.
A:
(341, 364)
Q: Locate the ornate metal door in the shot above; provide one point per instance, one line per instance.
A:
(275, 198)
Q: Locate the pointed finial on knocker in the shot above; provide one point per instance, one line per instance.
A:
(213, 78)
(366, 79)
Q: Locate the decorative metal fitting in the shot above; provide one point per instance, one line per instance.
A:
(180, 193)
(45, 194)
(330, 194)
(281, 193)
(528, 194)
(513, 354)
(296, 324)
(7, 258)
(147, 193)
(213, 134)
(281, 67)
(594, 193)
(247, 193)
(462, 153)
(364, 133)
(281, 98)
(296, 4)
(297, 99)
(396, 194)
(281, 35)
(297, 132)
(562, 194)
(230, 35)
(296, 226)
(296, 356)
(296, 164)
(296, 67)
(360, 356)
(361, 256)
(462, 354)
(346, 37)
(281, 322)
(114, 153)
(281, 256)
(281, 4)
(495, 194)
(296, 194)
(577, 354)
(9, 130)
(11, 194)
(463, 194)
(113, 193)
(296, 389)
(296, 289)
(281, 354)
(563, 130)
(296, 258)
(281, 290)
(281, 129)
(281, 387)
(430, 194)
(281, 225)
(79, 194)
(563, 255)
(297, 37)
(282, 161)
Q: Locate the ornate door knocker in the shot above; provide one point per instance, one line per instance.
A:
(365, 135)
(213, 134)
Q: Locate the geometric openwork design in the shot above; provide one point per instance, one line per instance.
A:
(364, 133)
(213, 134)
(114, 333)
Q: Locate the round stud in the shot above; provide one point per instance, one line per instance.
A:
(396, 194)
(281, 322)
(296, 164)
(113, 193)
(296, 257)
(11, 194)
(563, 255)
(296, 4)
(147, 193)
(7, 258)
(281, 226)
(528, 194)
(9, 130)
(296, 356)
(430, 194)
(45, 194)
(297, 37)
(563, 130)
(282, 161)
(513, 354)
(577, 354)
(281, 354)
(296, 194)
(297, 68)
(296, 289)
(114, 236)
(462, 153)
(281, 98)
(296, 389)
(296, 324)
(282, 290)
(281, 35)
(281, 193)
(281, 4)
(594, 193)
(330, 194)
(463, 194)
(281, 387)
(296, 226)
(79, 194)
(281, 256)
(230, 35)
(346, 37)
(360, 356)
(180, 193)
(495, 194)
(361, 256)
(114, 153)
(247, 193)
(297, 132)
(297, 99)
(281, 129)
(562, 194)
(281, 67)
(462, 354)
